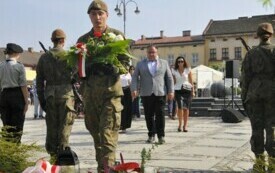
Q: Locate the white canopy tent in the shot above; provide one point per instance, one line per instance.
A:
(204, 76)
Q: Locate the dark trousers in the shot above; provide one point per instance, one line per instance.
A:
(12, 105)
(154, 114)
(261, 114)
(171, 107)
(135, 107)
(126, 114)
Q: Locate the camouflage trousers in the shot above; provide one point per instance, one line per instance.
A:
(261, 114)
(102, 109)
(59, 120)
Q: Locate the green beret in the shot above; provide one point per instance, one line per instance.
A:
(13, 48)
(264, 29)
(58, 33)
(98, 5)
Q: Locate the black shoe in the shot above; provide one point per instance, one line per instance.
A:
(150, 140)
(35, 117)
(179, 130)
(161, 140)
(41, 117)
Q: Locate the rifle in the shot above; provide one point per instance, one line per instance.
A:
(43, 47)
(244, 43)
(248, 49)
(76, 94)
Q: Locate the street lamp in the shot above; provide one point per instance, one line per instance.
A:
(122, 4)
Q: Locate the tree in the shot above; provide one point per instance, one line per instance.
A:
(266, 3)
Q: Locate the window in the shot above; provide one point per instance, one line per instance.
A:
(225, 53)
(195, 59)
(238, 53)
(170, 59)
(213, 54)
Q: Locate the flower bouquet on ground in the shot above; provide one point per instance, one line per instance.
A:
(106, 48)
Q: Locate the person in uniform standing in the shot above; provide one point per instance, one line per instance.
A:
(154, 79)
(14, 94)
(102, 92)
(54, 89)
(258, 94)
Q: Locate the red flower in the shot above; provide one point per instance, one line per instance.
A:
(97, 34)
(79, 45)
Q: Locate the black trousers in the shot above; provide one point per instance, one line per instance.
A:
(154, 114)
(12, 113)
(126, 114)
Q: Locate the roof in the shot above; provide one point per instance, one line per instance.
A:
(169, 40)
(235, 26)
(27, 58)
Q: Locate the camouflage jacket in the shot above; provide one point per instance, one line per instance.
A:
(55, 74)
(258, 67)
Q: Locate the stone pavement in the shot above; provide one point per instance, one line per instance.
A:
(209, 146)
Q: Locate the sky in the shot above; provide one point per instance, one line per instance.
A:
(26, 22)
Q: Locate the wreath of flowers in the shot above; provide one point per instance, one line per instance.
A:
(106, 48)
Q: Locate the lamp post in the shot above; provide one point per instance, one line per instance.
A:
(122, 4)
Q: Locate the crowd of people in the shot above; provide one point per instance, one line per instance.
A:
(110, 100)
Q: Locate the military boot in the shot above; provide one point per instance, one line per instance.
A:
(259, 165)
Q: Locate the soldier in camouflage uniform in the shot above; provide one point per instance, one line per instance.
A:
(55, 94)
(258, 74)
(102, 93)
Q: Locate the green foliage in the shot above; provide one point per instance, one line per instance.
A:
(217, 66)
(146, 155)
(266, 3)
(261, 164)
(107, 49)
(14, 157)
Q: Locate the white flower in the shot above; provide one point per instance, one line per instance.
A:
(119, 37)
(111, 35)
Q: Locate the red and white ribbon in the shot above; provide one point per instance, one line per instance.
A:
(43, 166)
(81, 65)
(81, 51)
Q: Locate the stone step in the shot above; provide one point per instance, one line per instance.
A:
(201, 104)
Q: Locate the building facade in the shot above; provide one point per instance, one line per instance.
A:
(222, 38)
(219, 42)
(169, 48)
